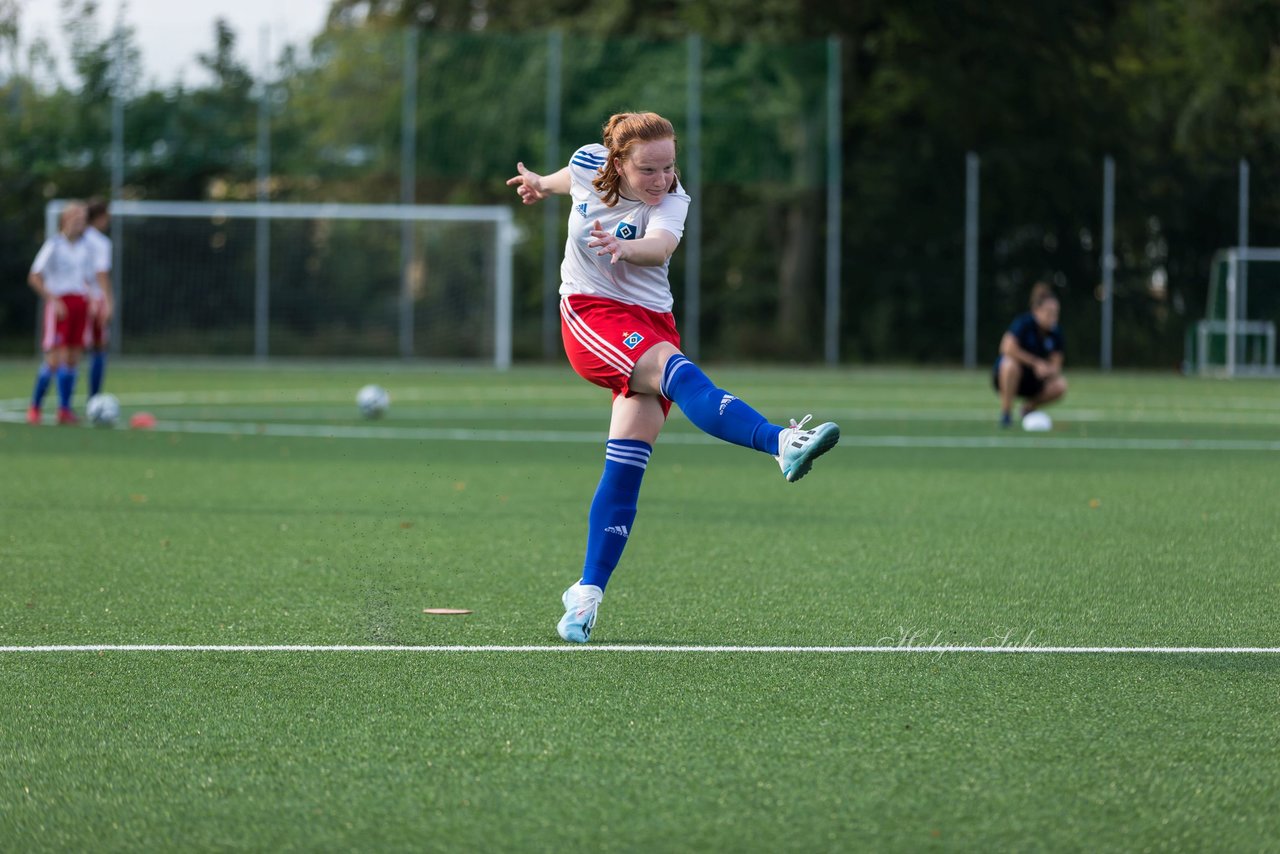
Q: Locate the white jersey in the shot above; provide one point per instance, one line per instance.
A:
(100, 252)
(67, 267)
(585, 272)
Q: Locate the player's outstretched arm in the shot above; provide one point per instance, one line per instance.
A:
(533, 187)
(650, 251)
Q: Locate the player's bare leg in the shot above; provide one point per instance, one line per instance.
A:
(663, 369)
(1054, 389)
(1010, 374)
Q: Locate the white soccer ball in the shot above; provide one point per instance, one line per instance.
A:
(373, 400)
(1037, 422)
(103, 410)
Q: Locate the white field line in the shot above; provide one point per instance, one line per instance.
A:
(1086, 443)
(461, 434)
(870, 408)
(318, 410)
(871, 405)
(1007, 649)
(14, 411)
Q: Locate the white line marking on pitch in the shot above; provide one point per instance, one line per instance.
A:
(932, 649)
(334, 431)
(14, 411)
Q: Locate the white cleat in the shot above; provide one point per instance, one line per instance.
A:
(581, 601)
(798, 447)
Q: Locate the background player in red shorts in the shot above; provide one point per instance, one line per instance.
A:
(626, 220)
(101, 299)
(60, 277)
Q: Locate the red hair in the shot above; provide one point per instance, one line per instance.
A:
(621, 133)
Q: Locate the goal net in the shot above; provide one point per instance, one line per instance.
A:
(1238, 334)
(311, 280)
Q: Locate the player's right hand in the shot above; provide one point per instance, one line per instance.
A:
(528, 185)
(59, 308)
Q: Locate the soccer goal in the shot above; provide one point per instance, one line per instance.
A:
(1238, 334)
(311, 280)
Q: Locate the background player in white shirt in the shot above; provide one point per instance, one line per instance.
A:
(626, 221)
(60, 276)
(101, 296)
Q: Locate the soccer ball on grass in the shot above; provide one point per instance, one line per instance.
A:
(103, 410)
(1037, 422)
(373, 401)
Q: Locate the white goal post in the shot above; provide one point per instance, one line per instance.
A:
(315, 279)
(1237, 337)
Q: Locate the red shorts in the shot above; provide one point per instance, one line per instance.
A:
(95, 330)
(603, 338)
(68, 330)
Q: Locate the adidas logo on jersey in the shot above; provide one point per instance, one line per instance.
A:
(620, 530)
(582, 209)
(725, 401)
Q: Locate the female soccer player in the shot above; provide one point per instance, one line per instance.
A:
(101, 303)
(626, 220)
(60, 276)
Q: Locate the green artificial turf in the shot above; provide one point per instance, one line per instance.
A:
(264, 510)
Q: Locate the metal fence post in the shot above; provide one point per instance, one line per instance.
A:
(262, 229)
(971, 164)
(117, 190)
(408, 182)
(551, 246)
(1242, 241)
(1108, 256)
(834, 180)
(690, 339)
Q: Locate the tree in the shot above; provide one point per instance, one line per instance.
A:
(1175, 92)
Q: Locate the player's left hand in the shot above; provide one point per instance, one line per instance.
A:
(608, 244)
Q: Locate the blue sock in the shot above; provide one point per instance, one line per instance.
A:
(715, 411)
(97, 368)
(66, 385)
(43, 376)
(613, 510)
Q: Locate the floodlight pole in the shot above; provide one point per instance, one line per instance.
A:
(1108, 256)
